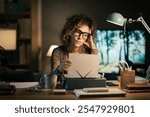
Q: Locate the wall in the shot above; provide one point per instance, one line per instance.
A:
(35, 63)
(54, 13)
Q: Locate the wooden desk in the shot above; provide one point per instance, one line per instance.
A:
(22, 94)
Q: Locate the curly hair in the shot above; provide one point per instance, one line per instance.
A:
(73, 22)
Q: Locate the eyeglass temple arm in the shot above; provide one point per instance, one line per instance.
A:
(87, 73)
(79, 74)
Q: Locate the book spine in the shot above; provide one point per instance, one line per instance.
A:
(24, 28)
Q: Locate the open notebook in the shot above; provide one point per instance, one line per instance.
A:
(83, 66)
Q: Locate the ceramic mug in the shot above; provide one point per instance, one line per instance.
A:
(48, 81)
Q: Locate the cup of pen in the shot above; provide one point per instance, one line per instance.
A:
(48, 82)
(127, 75)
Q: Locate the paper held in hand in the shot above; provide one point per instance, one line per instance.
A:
(83, 66)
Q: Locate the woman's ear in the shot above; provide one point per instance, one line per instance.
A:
(68, 37)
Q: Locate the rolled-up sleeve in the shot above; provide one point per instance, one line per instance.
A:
(94, 51)
(55, 61)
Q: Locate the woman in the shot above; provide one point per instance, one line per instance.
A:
(77, 37)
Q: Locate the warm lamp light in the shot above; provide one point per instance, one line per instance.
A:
(118, 19)
(8, 39)
(52, 47)
(7, 42)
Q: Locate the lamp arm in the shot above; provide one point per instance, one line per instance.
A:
(144, 23)
(141, 19)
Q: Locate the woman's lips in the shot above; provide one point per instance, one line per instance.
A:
(78, 42)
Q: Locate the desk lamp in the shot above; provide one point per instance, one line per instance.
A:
(118, 19)
(7, 42)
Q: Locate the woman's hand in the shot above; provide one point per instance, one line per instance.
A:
(90, 43)
(64, 65)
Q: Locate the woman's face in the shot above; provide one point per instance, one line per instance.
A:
(80, 35)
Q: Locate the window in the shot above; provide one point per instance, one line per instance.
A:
(114, 46)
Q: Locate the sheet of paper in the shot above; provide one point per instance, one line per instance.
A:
(83, 65)
(24, 84)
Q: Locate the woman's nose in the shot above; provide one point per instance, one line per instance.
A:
(80, 37)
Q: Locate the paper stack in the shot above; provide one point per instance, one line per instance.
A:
(98, 92)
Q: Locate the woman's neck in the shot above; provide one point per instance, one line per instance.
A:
(74, 49)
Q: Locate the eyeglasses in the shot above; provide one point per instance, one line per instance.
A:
(78, 33)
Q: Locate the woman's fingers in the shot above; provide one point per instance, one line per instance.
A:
(67, 64)
(64, 65)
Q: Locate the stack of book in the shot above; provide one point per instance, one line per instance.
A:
(145, 87)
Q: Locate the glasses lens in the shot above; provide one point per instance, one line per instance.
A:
(85, 35)
(78, 32)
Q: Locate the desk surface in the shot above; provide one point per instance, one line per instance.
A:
(23, 94)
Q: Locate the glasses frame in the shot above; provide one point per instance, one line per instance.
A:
(77, 32)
